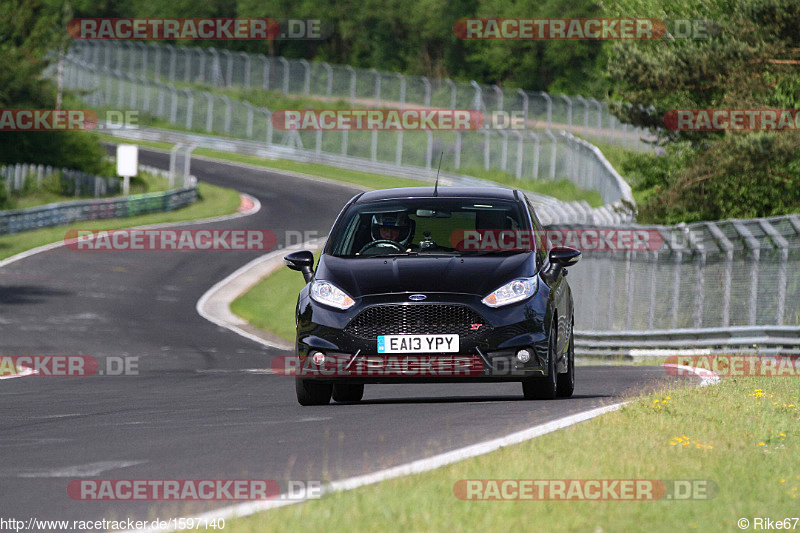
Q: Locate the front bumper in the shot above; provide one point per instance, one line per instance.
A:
(492, 345)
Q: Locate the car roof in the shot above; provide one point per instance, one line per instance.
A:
(443, 192)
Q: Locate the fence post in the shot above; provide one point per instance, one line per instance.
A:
(427, 83)
(569, 110)
(755, 253)
(306, 77)
(228, 110)
(520, 147)
(553, 149)
(429, 149)
(250, 114)
(486, 145)
(201, 63)
(172, 61)
(504, 150)
(653, 277)
(582, 100)
(209, 110)
(377, 86)
(629, 289)
(499, 95)
(265, 65)
(329, 84)
(599, 116)
(525, 105)
(189, 107)
(352, 84)
(538, 145)
(458, 150)
(477, 101)
(246, 57)
(285, 64)
(723, 242)
(173, 107)
(452, 85)
(228, 67)
(173, 163)
(549, 109)
(783, 245)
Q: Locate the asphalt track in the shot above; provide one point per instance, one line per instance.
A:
(195, 411)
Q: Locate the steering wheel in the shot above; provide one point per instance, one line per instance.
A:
(378, 242)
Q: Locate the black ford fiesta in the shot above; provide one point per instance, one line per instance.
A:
(420, 285)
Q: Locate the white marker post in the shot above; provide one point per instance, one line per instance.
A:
(127, 164)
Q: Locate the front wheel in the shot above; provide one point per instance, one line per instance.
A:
(566, 382)
(544, 388)
(343, 392)
(311, 392)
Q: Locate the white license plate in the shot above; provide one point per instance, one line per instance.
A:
(417, 343)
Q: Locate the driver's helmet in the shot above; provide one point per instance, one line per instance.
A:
(398, 221)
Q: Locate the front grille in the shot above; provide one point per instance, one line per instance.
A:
(418, 319)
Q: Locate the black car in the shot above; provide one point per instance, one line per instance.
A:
(419, 285)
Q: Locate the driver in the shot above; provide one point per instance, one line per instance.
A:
(392, 227)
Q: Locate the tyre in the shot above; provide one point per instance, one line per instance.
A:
(311, 392)
(343, 392)
(544, 387)
(566, 382)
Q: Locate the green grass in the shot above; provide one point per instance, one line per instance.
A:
(270, 304)
(724, 427)
(213, 201)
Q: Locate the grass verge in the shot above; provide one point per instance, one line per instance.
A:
(742, 435)
(213, 201)
(269, 305)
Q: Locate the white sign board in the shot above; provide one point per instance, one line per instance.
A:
(127, 160)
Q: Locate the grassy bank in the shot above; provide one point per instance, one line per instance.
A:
(214, 201)
(742, 435)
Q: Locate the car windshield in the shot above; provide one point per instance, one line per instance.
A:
(430, 227)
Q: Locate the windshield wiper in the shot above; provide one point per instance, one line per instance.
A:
(393, 254)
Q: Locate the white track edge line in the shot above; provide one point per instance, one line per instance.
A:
(431, 463)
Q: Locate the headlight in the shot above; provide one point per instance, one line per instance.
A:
(513, 291)
(329, 294)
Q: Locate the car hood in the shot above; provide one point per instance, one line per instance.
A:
(467, 275)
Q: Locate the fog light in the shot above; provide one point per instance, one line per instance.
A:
(523, 356)
(317, 357)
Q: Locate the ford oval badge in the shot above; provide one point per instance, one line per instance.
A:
(417, 297)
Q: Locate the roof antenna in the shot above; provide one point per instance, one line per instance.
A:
(436, 186)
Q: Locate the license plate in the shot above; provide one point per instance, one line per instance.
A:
(417, 343)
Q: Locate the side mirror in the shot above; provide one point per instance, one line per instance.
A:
(302, 261)
(561, 255)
